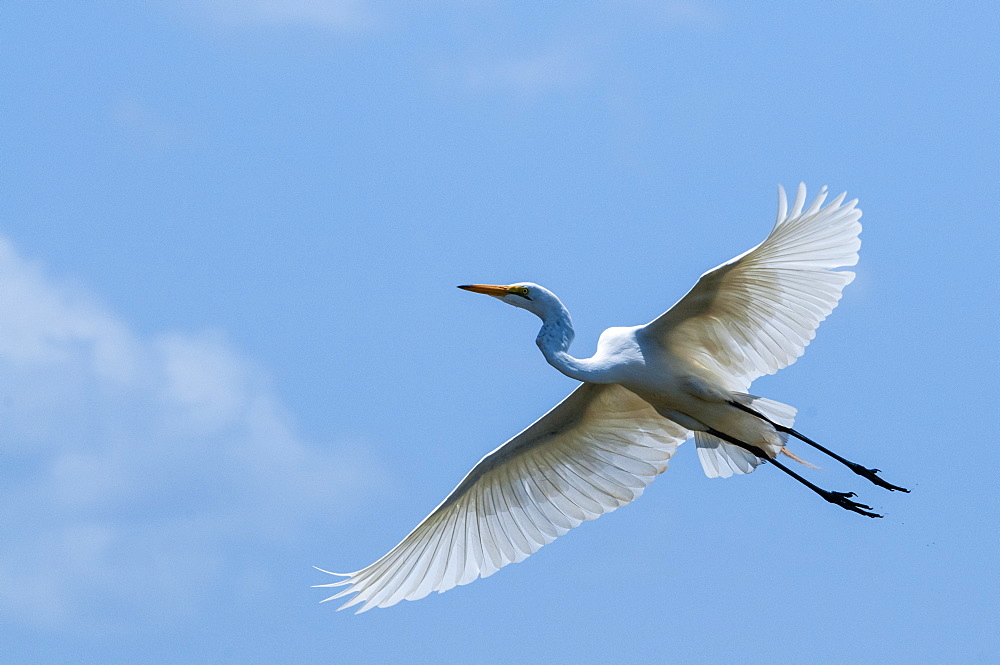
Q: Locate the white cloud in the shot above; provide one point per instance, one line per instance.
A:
(134, 467)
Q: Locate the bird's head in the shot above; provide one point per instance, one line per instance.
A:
(526, 295)
(557, 328)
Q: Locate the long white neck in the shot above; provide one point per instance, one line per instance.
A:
(554, 339)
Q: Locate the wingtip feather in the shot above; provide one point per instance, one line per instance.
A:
(332, 573)
(782, 205)
(800, 200)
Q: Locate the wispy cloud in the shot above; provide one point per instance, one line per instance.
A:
(577, 50)
(133, 464)
(143, 129)
(486, 48)
(337, 15)
(702, 13)
(550, 70)
(348, 15)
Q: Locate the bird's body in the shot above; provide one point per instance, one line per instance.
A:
(635, 359)
(644, 391)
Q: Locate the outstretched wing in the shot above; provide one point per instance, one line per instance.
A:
(756, 313)
(594, 452)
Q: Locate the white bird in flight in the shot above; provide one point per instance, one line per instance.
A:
(646, 390)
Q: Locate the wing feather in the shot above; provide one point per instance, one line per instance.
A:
(756, 313)
(594, 452)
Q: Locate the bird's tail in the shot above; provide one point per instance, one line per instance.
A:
(721, 459)
(776, 412)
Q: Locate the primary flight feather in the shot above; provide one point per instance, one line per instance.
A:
(645, 391)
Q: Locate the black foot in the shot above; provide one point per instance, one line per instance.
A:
(843, 499)
(870, 474)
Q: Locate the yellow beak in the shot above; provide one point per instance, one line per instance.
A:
(494, 290)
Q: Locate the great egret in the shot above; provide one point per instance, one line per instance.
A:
(646, 390)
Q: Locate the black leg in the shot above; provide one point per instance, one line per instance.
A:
(842, 499)
(865, 472)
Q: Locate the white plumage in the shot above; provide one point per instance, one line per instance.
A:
(755, 314)
(595, 451)
(646, 390)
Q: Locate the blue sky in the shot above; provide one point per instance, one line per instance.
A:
(231, 346)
